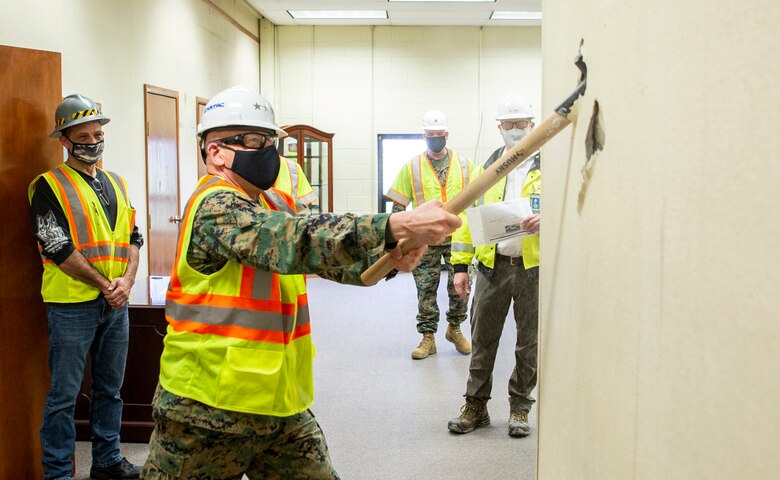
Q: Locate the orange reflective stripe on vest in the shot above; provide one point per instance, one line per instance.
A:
(256, 311)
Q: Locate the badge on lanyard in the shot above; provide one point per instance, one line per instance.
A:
(536, 202)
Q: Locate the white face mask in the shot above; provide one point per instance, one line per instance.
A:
(513, 137)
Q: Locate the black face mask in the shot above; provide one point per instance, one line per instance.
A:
(260, 167)
(436, 144)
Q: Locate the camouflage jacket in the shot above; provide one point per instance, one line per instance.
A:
(232, 226)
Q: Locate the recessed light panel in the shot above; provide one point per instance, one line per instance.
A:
(337, 14)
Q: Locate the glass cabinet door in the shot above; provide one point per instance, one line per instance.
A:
(313, 150)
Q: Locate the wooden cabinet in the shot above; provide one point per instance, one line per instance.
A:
(313, 150)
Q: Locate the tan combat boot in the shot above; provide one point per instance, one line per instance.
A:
(518, 424)
(427, 347)
(472, 415)
(455, 336)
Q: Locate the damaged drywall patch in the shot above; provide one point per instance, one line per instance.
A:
(594, 142)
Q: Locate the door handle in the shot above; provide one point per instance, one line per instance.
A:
(175, 219)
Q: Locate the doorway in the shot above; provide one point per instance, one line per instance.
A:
(393, 150)
(162, 177)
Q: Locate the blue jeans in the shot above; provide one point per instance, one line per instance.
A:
(76, 329)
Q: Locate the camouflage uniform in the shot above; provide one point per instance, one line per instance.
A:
(427, 275)
(193, 440)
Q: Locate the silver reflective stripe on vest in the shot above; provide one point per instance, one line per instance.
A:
(104, 251)
(277, 201)
(307, 199)
(81, 227)
(221, 316)
(464, 170)
(303, 314)
(419, 193)
(462, 247)
(293, 168)
(210, 182)
(261, 286)
(397, 198)
(121, 185)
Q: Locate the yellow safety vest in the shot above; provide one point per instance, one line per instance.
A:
(238, 339)
(107, 250)
(292, 181)
(417, 182)
(462, 249)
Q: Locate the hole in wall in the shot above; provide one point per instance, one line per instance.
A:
(594, 141)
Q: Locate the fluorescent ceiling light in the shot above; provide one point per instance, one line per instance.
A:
(337, 14)
(507, 15)
(449, 1)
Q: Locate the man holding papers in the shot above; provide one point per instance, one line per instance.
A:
(502, 235)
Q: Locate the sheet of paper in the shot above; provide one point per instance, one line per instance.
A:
(497, 221)
(157, 288)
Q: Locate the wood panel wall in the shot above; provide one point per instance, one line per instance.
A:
(30, 89)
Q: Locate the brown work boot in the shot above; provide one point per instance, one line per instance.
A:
(518, 424)
(455, 336)
(472, 415)
(427, 347)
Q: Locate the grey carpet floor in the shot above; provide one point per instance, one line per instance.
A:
(385, 415)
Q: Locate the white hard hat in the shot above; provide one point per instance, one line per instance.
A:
(238, 107)
(434, 120)
(514, 106)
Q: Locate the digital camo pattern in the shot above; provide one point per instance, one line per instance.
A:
(231, 226)
(195, 441)
(427, 277)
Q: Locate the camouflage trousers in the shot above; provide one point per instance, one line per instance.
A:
(509, 284)
(427, 277)
(195, 441)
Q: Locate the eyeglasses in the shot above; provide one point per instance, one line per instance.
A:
(521, 124)
(248, 140)
(99, 190)
(433, 133)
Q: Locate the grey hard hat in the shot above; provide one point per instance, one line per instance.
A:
(74, 110)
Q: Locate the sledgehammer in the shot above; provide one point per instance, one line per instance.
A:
(549, 128)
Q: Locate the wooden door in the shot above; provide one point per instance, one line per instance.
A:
(30, 90)
(162, 177)
(201, 105)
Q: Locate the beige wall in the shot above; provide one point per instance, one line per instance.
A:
(353, 81)
(660, 340)
(361, 81)
(111, 48)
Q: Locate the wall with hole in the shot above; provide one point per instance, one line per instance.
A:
(660, 339)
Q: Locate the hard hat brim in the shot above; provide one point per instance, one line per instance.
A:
(58, 131)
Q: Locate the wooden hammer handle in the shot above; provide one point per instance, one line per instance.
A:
(481, 184)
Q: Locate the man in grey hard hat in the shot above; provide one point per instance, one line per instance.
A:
(89, 246)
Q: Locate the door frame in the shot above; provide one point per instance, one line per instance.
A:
(154, 90)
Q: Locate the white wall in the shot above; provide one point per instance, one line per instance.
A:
(111, 48)
(660, 340)
(358, 82)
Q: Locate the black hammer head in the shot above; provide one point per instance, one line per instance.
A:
(565, 107)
